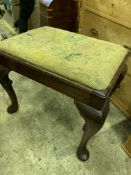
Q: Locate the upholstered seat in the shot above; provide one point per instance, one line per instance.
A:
(73, 56)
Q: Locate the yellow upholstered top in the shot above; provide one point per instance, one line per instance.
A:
(76, 57)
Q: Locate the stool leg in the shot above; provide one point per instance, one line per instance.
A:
(7, 85)
(94, 120)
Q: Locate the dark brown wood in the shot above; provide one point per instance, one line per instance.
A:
(60, 14)
(94, 120)
(120, 78)
(7, 85)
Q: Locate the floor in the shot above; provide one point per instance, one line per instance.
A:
(42, 137)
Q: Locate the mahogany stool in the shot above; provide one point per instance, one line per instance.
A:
(84, 68)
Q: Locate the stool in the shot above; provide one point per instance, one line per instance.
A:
(84, 68)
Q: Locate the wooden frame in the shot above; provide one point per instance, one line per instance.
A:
(92, 104)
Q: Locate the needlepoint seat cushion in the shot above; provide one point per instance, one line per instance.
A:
(85, 60)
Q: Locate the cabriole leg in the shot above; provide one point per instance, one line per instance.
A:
(94, 120)
(7, 85)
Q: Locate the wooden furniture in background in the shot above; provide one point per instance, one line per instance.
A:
(127, 146)
(60, 14)
(110, 20)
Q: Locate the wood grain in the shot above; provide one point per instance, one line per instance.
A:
(118, 11)
(122, 96)
(106, 29)
(127, 146)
